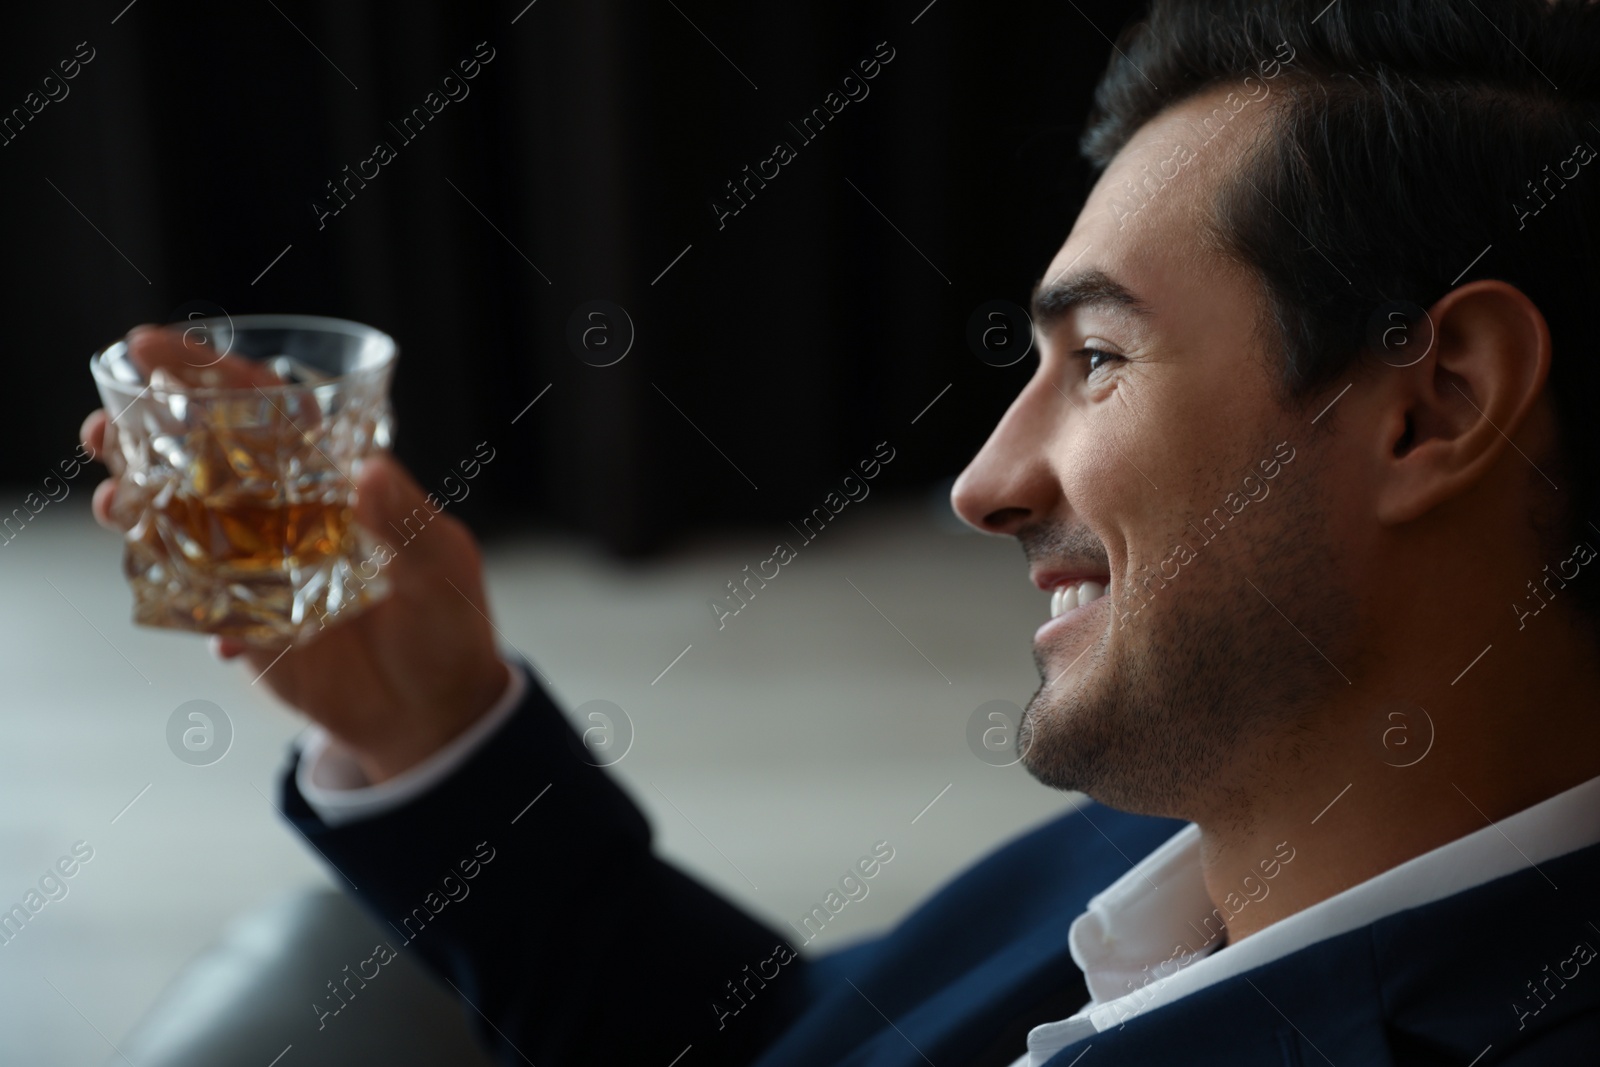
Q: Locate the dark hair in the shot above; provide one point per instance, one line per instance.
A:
(1408, 136)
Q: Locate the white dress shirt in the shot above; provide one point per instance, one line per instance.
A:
(1125, 940)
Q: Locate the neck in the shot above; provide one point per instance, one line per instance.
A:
(1384, 779)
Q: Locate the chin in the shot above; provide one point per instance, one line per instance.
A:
(1143, 730)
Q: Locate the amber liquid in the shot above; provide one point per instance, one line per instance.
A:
(240, 537)
(244, 567)
(240, 523)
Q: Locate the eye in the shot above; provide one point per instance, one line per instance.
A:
(1096, 358)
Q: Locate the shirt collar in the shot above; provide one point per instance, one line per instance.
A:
(1142, 926)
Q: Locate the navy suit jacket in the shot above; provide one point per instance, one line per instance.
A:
(575, 944)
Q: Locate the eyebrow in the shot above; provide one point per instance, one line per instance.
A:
(1088, 288)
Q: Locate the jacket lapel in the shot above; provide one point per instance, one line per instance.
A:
(1499, 966)
(869, 1020)
(975, 960)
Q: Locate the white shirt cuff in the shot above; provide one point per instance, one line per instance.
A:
(335, 787)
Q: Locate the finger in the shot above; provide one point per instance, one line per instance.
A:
(104, 497)
(226, 648)
(93, 431)
(188, 355)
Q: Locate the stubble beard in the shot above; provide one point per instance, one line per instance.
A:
(1205, 698)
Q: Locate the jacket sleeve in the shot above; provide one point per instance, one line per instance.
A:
(526, 880)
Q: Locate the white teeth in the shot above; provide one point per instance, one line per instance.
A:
(1067, 597)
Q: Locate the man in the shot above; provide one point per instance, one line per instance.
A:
(1307, 470)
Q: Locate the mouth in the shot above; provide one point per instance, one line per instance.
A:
(1074, 599)
(1072, 595)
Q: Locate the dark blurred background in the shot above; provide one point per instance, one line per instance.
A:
(177, 171)
(188, 152)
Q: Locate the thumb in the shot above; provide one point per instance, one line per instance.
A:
(394, 509)
(424, 543)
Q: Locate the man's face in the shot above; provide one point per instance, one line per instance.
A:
(1150, 454)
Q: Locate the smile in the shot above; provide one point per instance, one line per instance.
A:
(1074, 595)
(1071, 604)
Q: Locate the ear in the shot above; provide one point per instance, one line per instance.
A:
(1457, 412)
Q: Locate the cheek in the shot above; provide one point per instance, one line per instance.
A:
(1095, 478)
(1116, 477)
(1144, 464)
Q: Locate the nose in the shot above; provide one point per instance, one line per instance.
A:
(1010, 482)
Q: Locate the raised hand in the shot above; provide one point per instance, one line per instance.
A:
(398, 680)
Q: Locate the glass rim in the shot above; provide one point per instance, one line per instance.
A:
(324, 323)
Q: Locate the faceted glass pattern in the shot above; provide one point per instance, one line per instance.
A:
(238, 501)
